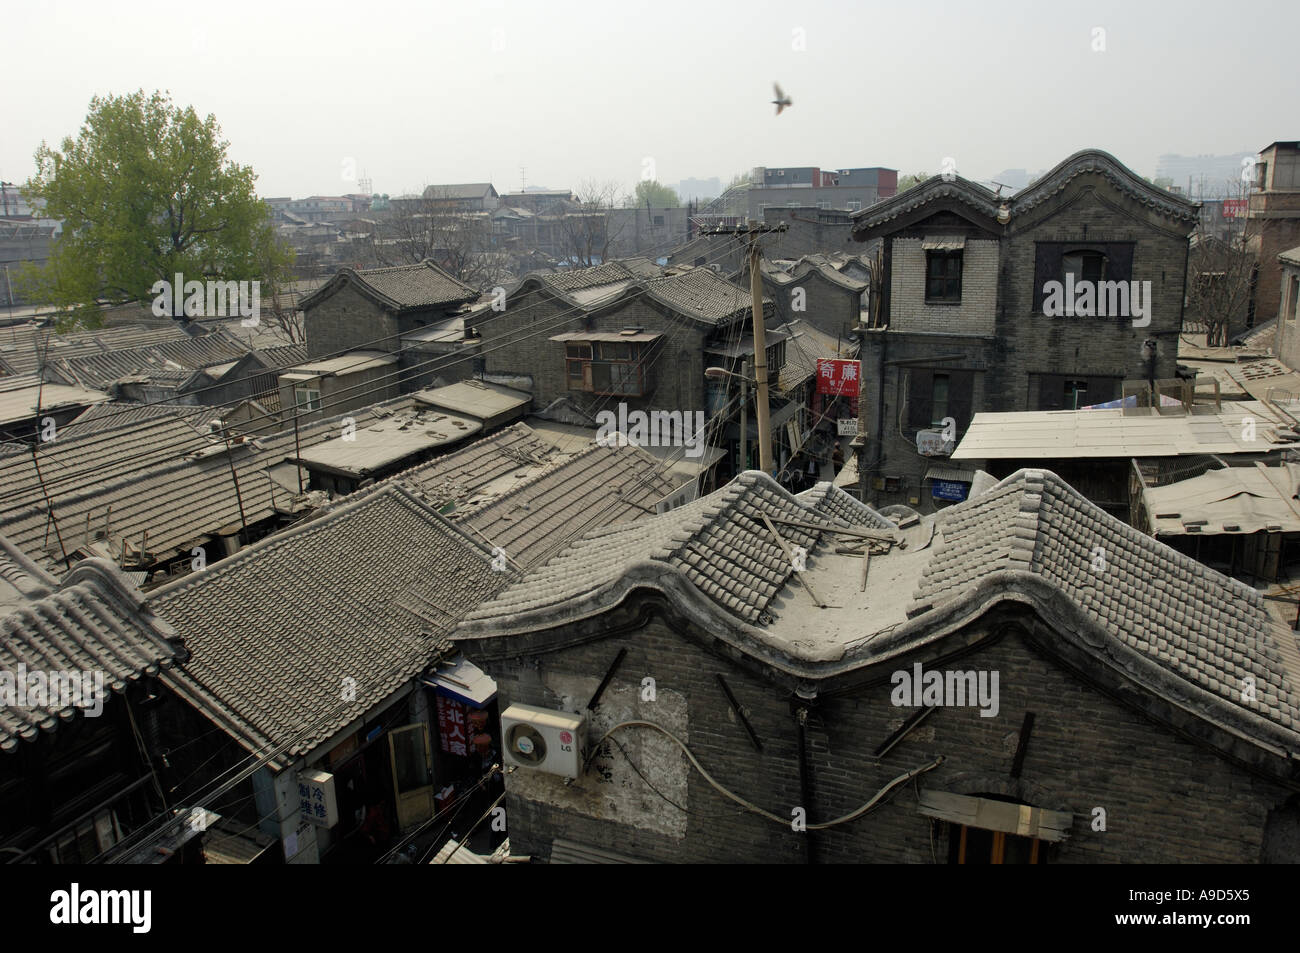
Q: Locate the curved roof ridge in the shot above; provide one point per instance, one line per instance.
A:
(1120, 175)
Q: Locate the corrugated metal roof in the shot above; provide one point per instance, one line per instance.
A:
(1074, 434)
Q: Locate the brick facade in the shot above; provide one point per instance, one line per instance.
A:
(1177, 803)
(828, 307)
(1017, 358)
(517, 341)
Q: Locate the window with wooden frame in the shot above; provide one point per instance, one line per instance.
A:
(577, 359)
(994, 828)
(606, 367)
(975, 845)
(943, 277)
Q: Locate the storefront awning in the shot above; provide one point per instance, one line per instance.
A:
(464, 681)
(950, 473)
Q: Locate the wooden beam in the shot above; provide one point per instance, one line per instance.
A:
(735, 706)
(604, 682)
(1022, 747)
(789, 554)
(842, 530)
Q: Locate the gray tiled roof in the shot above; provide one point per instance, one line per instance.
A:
(367, 591)
(718, 543)
(167, 360)
(93, 620)
(21, 347)
(840, 507)
(703, 294)
(459, 190)
(577, 279)
(160, 477)
(599, 486)
(1210, 630)
(1111, 598)
(699, 293)
(400, 288)
(113, 414)
(457, 476)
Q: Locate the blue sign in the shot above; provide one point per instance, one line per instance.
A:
(949, 490)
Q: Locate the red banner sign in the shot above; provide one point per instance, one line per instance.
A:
(1234, 208)
(837, 377)
(452, 731)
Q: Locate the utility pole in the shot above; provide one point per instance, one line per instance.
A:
(753, 231)
(744, 417)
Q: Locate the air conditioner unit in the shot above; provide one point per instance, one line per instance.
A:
(554, 742)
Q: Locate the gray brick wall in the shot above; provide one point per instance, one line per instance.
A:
(517, 341)
(826, 306)
(347, 320)
(1166, 799)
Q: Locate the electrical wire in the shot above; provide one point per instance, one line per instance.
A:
(344, 395)
(754, 808)
(473, 827)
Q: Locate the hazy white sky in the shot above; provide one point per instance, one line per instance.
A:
(425, 92)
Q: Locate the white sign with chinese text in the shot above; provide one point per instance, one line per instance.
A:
(931, 443)
(316, 798)
(847, 426)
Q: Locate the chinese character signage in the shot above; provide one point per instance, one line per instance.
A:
(452, 732)
(931, 443)
(1234, 208)
(847, 426)
(316, 800)
(837, 377)
(949, 490)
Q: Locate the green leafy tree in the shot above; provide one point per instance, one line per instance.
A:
(146, 191)
(905, 182)
(653, 194)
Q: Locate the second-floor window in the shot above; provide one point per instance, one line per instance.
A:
(605, 367)
(307, 397)
(943, 276)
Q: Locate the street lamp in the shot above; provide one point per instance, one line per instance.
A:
(718, 373)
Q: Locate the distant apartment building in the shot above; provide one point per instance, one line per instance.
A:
(843, 189)
(691, 190)
(467, 197)
(320, 208)
(538, 200)
(1203, 177)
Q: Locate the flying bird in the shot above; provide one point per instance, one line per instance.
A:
(782, 100)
